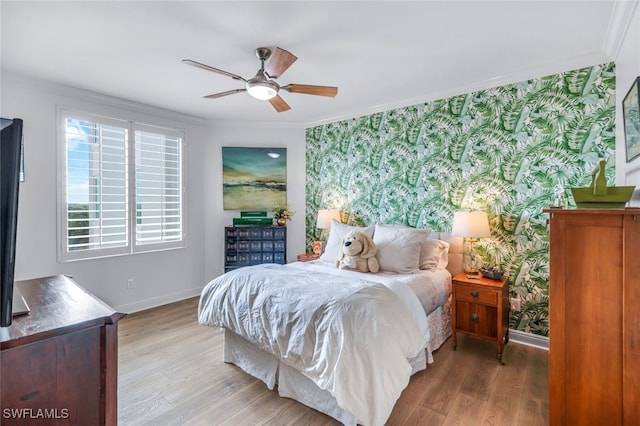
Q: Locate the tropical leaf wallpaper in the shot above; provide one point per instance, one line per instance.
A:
(510, 151)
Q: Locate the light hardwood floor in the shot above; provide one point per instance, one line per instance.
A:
(171, 373)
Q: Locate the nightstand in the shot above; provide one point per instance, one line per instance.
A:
(307, 257)
(480, 308)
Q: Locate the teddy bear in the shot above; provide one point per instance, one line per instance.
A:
(358, 253)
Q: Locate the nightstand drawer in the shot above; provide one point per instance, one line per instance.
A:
(479, 320)
(476, 295)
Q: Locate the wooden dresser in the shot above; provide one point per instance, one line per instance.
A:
(59, 364)
(594, 321)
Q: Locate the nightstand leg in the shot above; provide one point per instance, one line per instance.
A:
(455, 342)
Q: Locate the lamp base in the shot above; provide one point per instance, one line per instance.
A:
(470, 261)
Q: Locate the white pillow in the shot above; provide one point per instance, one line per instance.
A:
(434, 254)
(334, 242)
(398, 247)
(426, 247)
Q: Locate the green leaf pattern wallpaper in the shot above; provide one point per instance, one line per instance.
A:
(510, 151)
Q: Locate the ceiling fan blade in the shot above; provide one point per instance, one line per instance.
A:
(307, 89)
(279, 104)
(279, 62)
(221, 94)
(208, 68)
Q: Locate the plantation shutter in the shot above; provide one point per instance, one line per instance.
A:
(158, 186)
(96, 153)
(121, 189)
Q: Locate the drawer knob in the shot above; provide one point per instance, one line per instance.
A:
(475, 293)
(475, 317)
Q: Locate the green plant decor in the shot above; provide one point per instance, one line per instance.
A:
(508, 151)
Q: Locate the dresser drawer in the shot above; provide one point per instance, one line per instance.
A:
(476, 295)
(253, 245)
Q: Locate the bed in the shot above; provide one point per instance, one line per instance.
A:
(342, 342)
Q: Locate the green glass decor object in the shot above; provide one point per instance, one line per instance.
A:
(598, 195)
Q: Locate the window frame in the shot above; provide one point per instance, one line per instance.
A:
(131, 247)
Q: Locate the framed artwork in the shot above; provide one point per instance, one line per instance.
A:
(631, 118)
(254, 178)
(633, 178)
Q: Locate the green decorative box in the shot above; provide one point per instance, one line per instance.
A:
(255, 221)
(616, 197)
(253, 213)
(600, 196)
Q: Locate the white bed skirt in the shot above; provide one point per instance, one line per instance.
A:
(293, 384)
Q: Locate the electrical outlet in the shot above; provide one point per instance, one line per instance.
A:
(131, 283)
(515, 304)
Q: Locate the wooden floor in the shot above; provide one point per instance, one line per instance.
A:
(171, 373)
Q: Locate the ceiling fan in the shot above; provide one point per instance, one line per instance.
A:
(263, 85)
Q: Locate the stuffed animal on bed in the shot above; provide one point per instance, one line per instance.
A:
(358, 253)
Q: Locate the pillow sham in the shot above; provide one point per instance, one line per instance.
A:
(334, 242)
(426, 246)
(434, 254)
(398, 247)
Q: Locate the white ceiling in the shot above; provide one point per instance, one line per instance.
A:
(381, 55)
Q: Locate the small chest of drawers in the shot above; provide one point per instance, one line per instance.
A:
(253, 245)
(480, 308)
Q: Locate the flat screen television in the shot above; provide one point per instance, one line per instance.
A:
(10, 157)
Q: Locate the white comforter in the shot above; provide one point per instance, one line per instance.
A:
(349, 335)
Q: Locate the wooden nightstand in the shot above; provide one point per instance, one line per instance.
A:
(307, 257)
(481, 308)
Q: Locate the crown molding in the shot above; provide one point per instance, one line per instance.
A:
(66, 94)
(619, 23)
(511, 77)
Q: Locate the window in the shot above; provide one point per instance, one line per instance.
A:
(121, 187)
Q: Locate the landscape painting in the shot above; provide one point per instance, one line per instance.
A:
(254, 178)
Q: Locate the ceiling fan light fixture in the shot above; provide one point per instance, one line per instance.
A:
(262, 91)
(263, 85)
(261, 88)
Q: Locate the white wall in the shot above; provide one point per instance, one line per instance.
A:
(627, 69)
(160, 277)
(251, 135)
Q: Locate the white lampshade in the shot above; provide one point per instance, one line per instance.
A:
(470, 225)
(325, 216)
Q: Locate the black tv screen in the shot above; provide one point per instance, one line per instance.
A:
(10, 153)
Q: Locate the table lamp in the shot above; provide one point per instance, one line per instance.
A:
(470, 226)
(324, 222)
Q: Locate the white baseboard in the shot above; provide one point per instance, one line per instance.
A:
(528, 339)
(158, 301)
